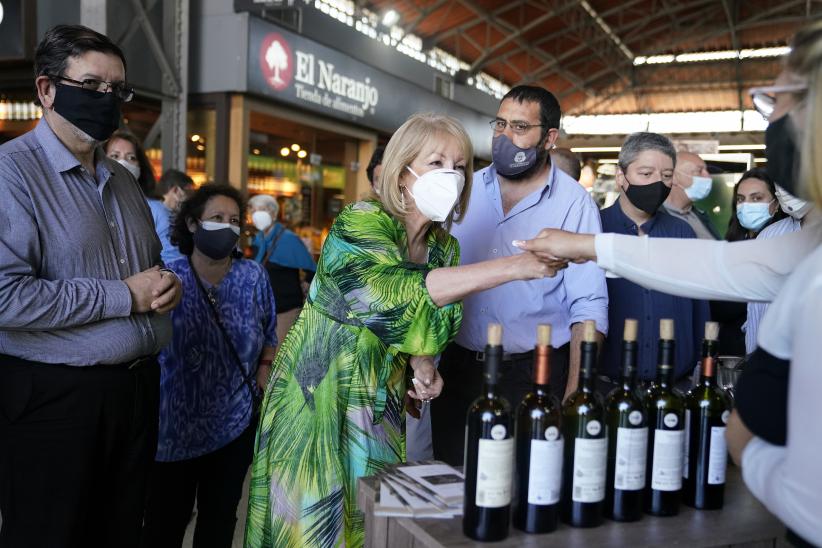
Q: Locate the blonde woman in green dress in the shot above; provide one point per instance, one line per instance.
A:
(386, 295)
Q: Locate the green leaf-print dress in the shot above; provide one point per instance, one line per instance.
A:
(333, 410)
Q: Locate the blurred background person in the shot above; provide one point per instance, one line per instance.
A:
(567, 161)
(799, 213)
(374, 169)
(124, 148)
(644, 176)
(692, 183)
(753, 207)
(171, 190)
(284, 256)
(221, 350)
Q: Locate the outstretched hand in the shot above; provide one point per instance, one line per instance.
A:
(558, 245)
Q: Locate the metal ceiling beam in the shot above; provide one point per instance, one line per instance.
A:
(423, 13)
(747, 23)
(506, 27)
(459, 29)
(635, 24)
(488, 56)
(606, 28)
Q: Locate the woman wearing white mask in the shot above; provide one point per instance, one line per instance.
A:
(386, 295)
(284, 255)
(124, 148)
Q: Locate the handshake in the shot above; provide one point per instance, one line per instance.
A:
(154, 290)
(552, 250)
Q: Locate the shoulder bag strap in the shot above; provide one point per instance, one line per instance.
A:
(216, 316)
(272, 247)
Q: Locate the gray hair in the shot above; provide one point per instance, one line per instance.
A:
(265, 201)
(639, 142)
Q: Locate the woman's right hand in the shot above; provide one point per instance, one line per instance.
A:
(529, 266)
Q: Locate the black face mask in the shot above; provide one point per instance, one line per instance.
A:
(783, 158)
(649, 197)
(94, 112)
(215, 244)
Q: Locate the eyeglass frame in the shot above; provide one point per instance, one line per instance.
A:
(506, 124)
(113, 87)
(769, 91)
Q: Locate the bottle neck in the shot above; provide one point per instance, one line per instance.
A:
(665, 363)
(629, 351)
(707, 374)
(542, 370)
(493, 358)
(587, 366)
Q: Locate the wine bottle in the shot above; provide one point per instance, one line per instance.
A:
(489, 454)
(586, 447)
(665, 409)
(707, 409)
(539, 448)
(627, 438)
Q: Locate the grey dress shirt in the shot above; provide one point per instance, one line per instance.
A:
(67, 242)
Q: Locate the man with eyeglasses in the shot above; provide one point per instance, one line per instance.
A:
(519, 194)
(83, 311)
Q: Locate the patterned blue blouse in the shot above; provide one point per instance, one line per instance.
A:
(204, 402)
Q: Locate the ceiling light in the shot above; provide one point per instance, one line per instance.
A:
(256, 151)
(200, 148)
(760, 160)
(302, 154)
(195, 138)
(595, 149)
(295, 147)
(390, 18)
(741, 147)
(285, 151)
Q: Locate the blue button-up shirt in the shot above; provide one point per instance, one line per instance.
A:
(575, 294)
(67, 241)
(629, 300)
(162, 225)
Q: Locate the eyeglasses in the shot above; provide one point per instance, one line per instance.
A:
(519, 128)
(764, 98)
(120, 89)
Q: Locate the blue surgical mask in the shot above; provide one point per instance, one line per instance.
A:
(753, 216)
(699, 189)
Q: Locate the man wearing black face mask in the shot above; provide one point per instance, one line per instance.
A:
(521, 192)
(644, 177)
(83, 306)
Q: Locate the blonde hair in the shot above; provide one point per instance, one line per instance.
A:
(406, 144)
(805, 60)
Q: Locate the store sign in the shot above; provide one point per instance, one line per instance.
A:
(292, 69)
(316, 78)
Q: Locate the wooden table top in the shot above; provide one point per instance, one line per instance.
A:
(743, 520)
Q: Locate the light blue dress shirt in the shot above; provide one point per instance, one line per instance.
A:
(162, 225)
(575, 294)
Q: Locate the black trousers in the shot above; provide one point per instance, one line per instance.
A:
(76, 445)
(462, 375)
(215, 480)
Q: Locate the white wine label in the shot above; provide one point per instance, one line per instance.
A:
(551, 433)
(635, 417)
(631, 454)
(686, 452)
(718, 457)
(498, 431)
(545, 472)
(593, 428)
(590, 462)
(666, 474)
(725, 416)
(671, 420)
(495, 463)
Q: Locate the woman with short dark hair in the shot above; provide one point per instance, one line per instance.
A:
(221, 351)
